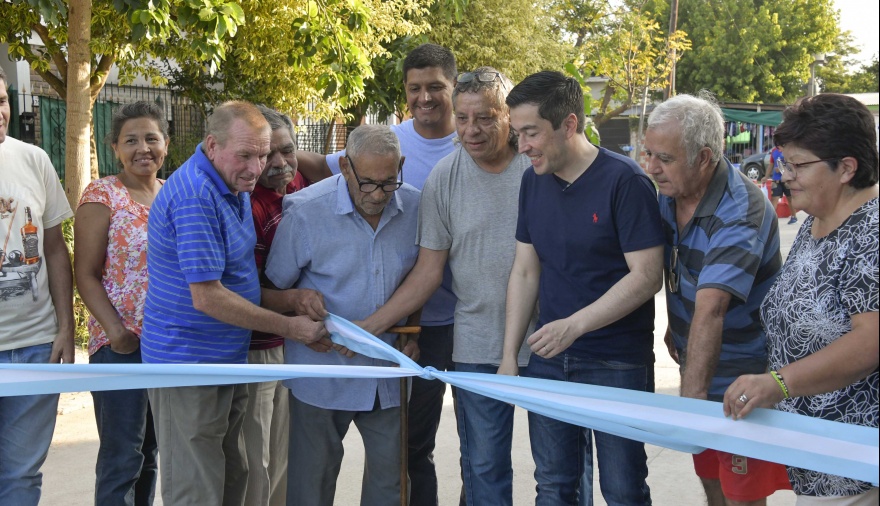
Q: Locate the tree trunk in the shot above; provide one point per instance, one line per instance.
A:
(93, 151)
(77, 163)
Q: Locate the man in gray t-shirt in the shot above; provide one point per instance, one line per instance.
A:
(468, 216)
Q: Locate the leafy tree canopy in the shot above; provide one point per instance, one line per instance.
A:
(302, 57)
(127, 33)
(516, 37)
(478, 32)
(754, 50)
(624, 43)
(866, 79)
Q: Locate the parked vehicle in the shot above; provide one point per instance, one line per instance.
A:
(755, 166)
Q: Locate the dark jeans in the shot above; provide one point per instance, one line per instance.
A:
(127, 468)
(485, 430)
(425, 407)
(561, 449)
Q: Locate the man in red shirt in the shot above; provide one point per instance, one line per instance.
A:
(266, 419)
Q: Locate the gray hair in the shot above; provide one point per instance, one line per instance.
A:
(698, 118)
(373, 139)
(278, 120)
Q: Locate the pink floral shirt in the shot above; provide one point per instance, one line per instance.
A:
(125, 269)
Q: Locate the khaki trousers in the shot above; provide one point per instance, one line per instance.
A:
(201, 447)
(265, 435)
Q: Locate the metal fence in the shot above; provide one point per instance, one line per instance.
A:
(41, 119)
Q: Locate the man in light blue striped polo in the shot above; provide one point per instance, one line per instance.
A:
(202, 302)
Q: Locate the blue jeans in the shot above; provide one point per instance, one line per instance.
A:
(127, 469)
(26, 426)
(561, 449)
(485, 429)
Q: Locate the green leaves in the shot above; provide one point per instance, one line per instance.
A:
(291, 53)
(52, 11)
(624, 44)
(754, 50)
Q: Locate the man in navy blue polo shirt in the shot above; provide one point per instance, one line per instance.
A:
(589, 249)
(202, 302)
(722, 253)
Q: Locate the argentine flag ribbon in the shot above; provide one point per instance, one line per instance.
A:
(686, 425)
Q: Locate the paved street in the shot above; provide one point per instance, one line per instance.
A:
(69, 470)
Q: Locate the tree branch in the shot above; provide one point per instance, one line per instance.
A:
(53, 49)
(600, 120)
(100, 74)
(57, 84)
(606, 98)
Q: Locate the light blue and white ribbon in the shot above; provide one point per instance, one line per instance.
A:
(686, 425)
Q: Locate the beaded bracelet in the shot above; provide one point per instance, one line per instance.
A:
(780, 382)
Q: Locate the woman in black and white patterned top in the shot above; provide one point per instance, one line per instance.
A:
(821, 315)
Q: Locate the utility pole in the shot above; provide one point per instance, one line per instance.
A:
(669, 91)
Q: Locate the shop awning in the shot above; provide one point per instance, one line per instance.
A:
(769, 118)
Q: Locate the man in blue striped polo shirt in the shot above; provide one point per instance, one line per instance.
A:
(202, 302)
(721, 256)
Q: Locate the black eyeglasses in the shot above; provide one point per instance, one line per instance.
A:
(483, 77)
(792, 168)
(672, 275)
(370, 186)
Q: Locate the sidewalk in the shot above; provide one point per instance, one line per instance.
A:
(69, 471)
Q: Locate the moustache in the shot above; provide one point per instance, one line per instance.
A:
(277, 171)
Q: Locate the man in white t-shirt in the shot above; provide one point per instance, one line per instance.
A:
(429, 75)
(467, 217)
(36, 303)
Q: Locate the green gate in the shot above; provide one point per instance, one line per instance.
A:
(53, 117)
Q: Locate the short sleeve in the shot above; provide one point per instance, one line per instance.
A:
(859, 276)
(433, 230)
(200, 245)
(290, 251)
(637, 215)
(57, 209)
(333, 161)
(522, 225)
(97, 192)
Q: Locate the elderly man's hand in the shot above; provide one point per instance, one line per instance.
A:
(311, 333)
(411, 348)
(342, 350)
(309, 303)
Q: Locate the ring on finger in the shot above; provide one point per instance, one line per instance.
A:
(743, 399)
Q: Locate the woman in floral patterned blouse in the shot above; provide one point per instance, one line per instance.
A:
(821, 314)
(110, 260)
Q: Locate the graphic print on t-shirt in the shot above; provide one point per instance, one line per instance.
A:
(20, 259)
